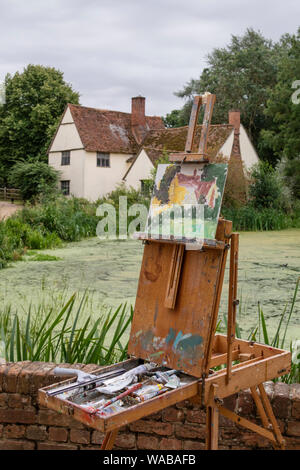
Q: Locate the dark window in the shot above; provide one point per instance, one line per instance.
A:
(65, 157)
(103, 159)
(65, 187)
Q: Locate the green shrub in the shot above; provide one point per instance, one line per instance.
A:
(33, 179)
(266, 189)
(248, 218)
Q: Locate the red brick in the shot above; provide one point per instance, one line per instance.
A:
(15, 400)
(245, 403)
(231, 402)
(36, 433)
(254, 441)
(16, 445)
(52, 418)
(293, 428)
(53, 446)
(14, 431)
(173, 415)
(147, 442)
(269, 388)
(232, 432)
(292, 443)
(79, 436)
(162, 429)
(3, 400)
(97, 437)
(58, 434)
(184, 404)
(193, 445)
(11, 376)
(25, 378)
(281, 402)
(190, 431)
(154, 416)
(170, 444)
(295, 397)
(125, 441)
(196, 416)
(17, 416)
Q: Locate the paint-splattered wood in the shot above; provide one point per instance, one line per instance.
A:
(177, 338)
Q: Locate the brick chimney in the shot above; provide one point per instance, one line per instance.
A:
(234, 118)
(138, 118)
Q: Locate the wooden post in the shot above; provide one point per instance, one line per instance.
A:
(109, 440)
(212, 421)
(232, 301)
(193, 123)
(174, 275)
(210, 101)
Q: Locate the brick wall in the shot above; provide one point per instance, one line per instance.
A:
(26, 425)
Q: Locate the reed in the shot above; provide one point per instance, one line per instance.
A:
(58, 336)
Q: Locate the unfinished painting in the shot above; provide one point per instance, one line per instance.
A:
(186, 201)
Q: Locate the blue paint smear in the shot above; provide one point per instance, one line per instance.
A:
(178, 338)
(170, 336)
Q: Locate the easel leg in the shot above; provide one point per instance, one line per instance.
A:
(269, 412)
(109, 440)
(212, 428)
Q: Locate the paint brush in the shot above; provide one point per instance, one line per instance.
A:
(122, 395)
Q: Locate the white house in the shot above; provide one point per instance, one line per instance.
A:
(97, 149)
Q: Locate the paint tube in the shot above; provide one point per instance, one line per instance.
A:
(164, 377)
(111, 388)
(148, 395)
(148, 389)
(116, 384)
(173, 382)
(113, 408)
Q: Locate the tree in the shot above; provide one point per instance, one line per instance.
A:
(283, 111)
(240, 75)
(266, 190)
(34, 179)
(35, 101)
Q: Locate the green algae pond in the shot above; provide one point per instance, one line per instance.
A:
(269, 266)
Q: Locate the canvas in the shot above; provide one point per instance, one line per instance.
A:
(186, 201)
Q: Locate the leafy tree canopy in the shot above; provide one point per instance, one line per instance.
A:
(241, 75)
(35, 101)
(283, 105)
(34, 179)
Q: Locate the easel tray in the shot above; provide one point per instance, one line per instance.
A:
(256, 363)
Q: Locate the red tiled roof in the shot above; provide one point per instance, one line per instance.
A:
(108, 131)
(173, 140)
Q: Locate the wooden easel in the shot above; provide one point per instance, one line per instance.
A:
(174, 324)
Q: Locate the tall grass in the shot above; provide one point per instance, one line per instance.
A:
(248, 218)
(60, 336)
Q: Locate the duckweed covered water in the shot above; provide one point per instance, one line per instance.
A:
(269, 265)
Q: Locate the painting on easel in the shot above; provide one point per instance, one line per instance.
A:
(186, 201)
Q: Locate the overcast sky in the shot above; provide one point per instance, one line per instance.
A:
(111, 50)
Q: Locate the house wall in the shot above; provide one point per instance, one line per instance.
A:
(73, 172)
(140, 171)
(248, 152)
(98, 181)
(226, 148)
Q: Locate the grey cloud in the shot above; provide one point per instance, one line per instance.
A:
(111, 50)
